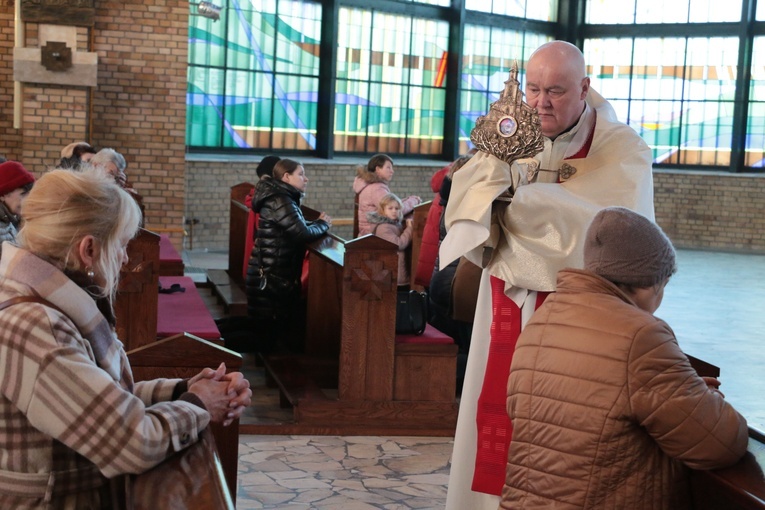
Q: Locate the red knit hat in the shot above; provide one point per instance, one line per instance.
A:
(13, 175)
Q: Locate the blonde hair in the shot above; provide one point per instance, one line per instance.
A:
(65, 206)
(387, 199)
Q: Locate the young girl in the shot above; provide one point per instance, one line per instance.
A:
(371, 184)
(386, 222)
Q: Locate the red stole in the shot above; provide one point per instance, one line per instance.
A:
(493, 424)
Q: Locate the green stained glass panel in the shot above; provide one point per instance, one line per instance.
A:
(442, 3)
(610, 11)
(608, 68)
(203, 125)
(299, 33)
(354, 44)
(545, 10)
(251, 36)
(677, 94)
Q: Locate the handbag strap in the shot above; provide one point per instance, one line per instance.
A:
(30, 299)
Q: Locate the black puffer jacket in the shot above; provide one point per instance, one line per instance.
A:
(279, 246)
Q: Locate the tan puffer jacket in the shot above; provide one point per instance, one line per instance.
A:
(607, 411)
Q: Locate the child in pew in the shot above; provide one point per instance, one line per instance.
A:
(273, 274)
(371, 184)
(387, 222)
(73, 423)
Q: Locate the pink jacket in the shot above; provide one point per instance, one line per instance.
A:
(370, 189)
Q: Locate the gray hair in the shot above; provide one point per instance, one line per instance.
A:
(109, 156)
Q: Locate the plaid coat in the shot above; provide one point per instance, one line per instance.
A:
(71, 417)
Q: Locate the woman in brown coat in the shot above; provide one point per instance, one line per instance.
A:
(607, 411)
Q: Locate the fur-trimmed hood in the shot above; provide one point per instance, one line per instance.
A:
(376, 218)
(364, 178)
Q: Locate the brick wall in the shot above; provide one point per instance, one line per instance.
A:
(138, 107)
(712, 210)
(10, 139)
(329, 189)
(717, 211)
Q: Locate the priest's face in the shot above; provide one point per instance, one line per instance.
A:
(557, 90)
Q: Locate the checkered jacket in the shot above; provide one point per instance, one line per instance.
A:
(70, 416)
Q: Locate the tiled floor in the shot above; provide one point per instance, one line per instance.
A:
(715, 304)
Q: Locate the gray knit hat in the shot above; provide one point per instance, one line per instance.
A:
(624, 247)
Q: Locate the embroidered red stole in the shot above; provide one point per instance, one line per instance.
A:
(493, 425)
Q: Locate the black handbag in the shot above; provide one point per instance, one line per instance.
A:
(411, 312)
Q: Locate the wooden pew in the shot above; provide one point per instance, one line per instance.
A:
(184, 312)
(170, 261)
(420, 216)
(354, 378)
(192, 479)
(228, 284)
(136, 304)
(185, 356)
(739, 487)
(138, 301)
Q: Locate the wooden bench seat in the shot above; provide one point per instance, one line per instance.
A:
(184, 312)
(228, 285)
(170, 261)
(228, 291)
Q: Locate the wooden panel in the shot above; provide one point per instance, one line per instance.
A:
(420, 217)
(184, 356)
(136, 304)
(324, 316)
(237, 234)
(368, 329)
(739, 487)
(426, 372)
(192, 479)
(393, 415)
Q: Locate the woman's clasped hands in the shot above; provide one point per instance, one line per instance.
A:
(225, 396)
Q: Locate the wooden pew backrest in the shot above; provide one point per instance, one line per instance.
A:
(420, 217)
(136, 304)
(367, 345)
(192, 479)
(237, 234)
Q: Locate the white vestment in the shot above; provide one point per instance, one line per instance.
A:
(539, 233)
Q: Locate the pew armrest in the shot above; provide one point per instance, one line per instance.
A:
(739, 487)
(192, 479)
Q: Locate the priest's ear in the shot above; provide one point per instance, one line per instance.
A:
(585, 87)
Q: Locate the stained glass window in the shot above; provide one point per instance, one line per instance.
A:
(755, 132)
(443, 3)
(390, 89)
(661, 11)
(487, 56)
(253, 76)
(545, 10)
(676, 93)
